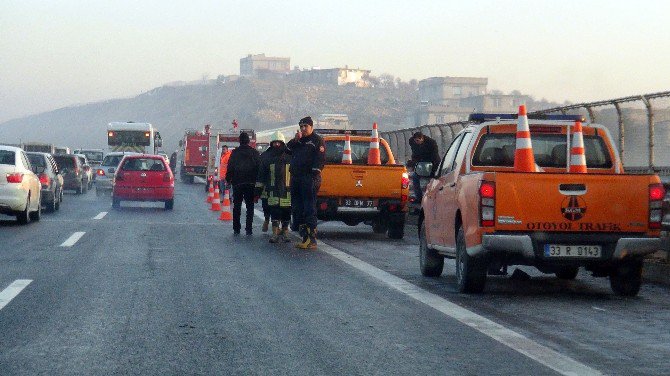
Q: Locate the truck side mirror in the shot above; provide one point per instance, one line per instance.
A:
(424, 169)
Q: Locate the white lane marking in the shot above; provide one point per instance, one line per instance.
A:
(599, 309)
(100, 216)
(518, 342)
(72, 239)
(12, 291)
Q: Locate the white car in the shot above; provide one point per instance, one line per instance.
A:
(20, 188)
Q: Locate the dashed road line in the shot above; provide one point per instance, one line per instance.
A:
(12, 291)
(74, 238)
(552, 359)
(100, 216)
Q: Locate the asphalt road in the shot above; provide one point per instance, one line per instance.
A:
(147, 291)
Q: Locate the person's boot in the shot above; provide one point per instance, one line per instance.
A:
(284, 233)
(304, 233)
(266, 223)
(310, 242)
(276, 232)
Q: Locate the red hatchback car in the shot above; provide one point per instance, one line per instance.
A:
(143, 177)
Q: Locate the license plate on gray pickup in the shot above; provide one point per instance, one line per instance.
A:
(562, 250)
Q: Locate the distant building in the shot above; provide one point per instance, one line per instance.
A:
(332, 121)
(261, 65)
(333, 76)
(450, 99)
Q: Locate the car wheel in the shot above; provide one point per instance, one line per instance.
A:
(84, 188)
(36, 215)
(567, 272)
(116, 203)
(430, 262)
(23, 217)
(396, 230)
(80, 189)
(169, 204)
(58, 199)
(51, 206)
(470, 271)
(626, 279)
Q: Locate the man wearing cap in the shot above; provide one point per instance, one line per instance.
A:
(274, 178)
(307, 159)
(424, 149)
(242, 171)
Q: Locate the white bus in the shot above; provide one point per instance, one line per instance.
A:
(136, 137)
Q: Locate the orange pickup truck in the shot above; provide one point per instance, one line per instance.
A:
(479, 211)
(358, 192)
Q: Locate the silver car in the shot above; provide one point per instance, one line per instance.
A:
(20, 188)
(104, 174)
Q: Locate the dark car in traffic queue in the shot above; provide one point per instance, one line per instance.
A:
(143, 177)
(74, 176)
(45, 167)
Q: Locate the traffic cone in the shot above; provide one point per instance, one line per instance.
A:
(226, 215)
(346, 153)
(577, 157)
(524, 161)
(216, 201)
(374, 158)
(210, 195)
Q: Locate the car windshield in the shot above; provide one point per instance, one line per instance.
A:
(93, 155)
(143, 164)
(549, 150)
(359, 152)
(112, 160)
(7, 157)
(36, 160)
(64, 162)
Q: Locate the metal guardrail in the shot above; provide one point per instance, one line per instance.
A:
(444, 133)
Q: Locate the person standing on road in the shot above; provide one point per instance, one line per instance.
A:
(424, 149)
(223, 167)
(274, 177)
(263, 194)
(173, 162)
(307, 159)
(241, 174)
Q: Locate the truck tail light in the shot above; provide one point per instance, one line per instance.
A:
(76, 170)
(656, 196)
(487, 197)
(404, 181)
(323, 206)
(16, 177)
(44, 180)
(100, 172)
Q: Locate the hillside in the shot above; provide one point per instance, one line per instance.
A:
(256, 104)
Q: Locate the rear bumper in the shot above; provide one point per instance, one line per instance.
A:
(12, 200)
(143, 193)
(614, 247)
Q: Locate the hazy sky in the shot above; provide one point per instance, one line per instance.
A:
(58, 53)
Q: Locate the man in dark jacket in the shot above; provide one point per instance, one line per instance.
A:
(242, 171)
(424, 149)
(307, 159)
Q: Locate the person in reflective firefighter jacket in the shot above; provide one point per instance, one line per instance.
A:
(274, 178)
(307, 159)
(262, 193)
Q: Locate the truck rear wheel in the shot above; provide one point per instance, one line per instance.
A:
(430, 262)
(379, 226)
(470, 271)
(626, 279)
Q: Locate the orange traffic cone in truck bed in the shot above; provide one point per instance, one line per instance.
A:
(374, 157)
(577, 157)
(346, 153)
(524, 161)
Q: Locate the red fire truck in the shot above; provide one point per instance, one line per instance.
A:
(194, 154)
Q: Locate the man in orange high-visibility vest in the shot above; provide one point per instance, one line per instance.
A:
(223, 167)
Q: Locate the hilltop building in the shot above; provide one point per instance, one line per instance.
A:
(451, 99)
(332, 76)
(261, 65)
